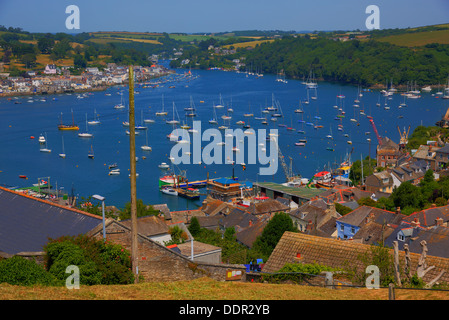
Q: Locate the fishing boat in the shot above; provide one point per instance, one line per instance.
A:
(300, 144)
(169, 191)
(68, 126)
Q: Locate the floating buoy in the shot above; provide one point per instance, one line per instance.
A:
(32, 137)
(22, 176)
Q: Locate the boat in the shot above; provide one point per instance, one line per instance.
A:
(46, 148)
(68, 126)
(169, 191)
(173, 121)
(214, 119)
(95, 121)
(113, 165)
(120, 105)
(164, 166)
(114, 172)
(162, 112)
(90, 154)
(85, 134)
(300, 144)
(42, 139)
(62, 155)
(146, 147)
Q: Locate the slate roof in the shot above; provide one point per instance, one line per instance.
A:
(26, 223)
(267, 206)
(437, 238)
(427, 217)
(364, 214)
(249, 235)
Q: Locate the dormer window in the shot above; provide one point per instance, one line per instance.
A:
(401, 237)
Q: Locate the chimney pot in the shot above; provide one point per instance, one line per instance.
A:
(398, 210)
(439, 221)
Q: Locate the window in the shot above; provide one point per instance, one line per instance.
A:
(352, 230)
(401, 237)
(342, 227)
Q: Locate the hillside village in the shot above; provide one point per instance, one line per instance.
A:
(322, 232)
(57, 79)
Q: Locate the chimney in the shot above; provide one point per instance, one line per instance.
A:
(415, 223)
(398, 210)
(439, 221)
(433, 205)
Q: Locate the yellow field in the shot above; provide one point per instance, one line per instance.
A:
(44, 59)
(418, 39)
(139, 40)
(251, 44)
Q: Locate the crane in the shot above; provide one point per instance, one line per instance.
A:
(379, 139)
(287, 171)
(404, 137)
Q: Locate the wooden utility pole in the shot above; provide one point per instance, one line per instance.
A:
(132, 153)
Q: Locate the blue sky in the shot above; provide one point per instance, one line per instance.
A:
(219, 15)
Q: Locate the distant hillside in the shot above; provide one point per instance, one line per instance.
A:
(415, 37)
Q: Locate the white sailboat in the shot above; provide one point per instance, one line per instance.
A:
(173, 121)
(95, 121)
(62, 155)
(120, 105)
(146, 147)
(214, 119)
(220, 105)
(85, 134)
(162, 112)
(46, 148)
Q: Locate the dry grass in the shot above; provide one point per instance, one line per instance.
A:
(44, 59)
(207, 289)
(419, 38)
(251, 44)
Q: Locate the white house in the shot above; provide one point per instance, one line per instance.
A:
(50, 69)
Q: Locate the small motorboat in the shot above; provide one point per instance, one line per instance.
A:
(169, 191)
(164, 166)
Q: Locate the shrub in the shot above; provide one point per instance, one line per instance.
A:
(99, 262)
(23, 272)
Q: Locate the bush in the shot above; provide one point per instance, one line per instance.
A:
(98, 262)
(23, 272)
(297, 272)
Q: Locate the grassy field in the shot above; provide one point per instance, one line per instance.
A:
(418, 38)
(251, 44)
(207, 289)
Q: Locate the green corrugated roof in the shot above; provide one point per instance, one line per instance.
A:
(302, 192)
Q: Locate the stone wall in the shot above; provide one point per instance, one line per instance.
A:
(158, 263)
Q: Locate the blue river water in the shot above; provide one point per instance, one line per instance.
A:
(20, 154)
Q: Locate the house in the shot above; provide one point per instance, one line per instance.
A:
(379, 181)
(427, 153)
(350, 224)
(442, 158)
(26, 222)
(269, 206)
(297, 247)
(152, 227)
(311, 216)
(412, 233)
(202, 252)
(401, 174)
(387, 153)
(249, 235)
(429, 217)
(50, 69)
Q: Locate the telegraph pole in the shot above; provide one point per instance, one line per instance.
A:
(132, 153)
